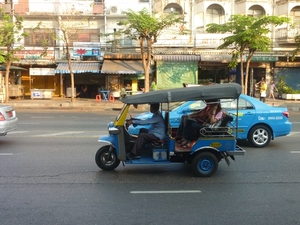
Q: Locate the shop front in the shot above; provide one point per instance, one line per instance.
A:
(15, 86)
(127, 74)
(87, 79)
(43, 83)
(289, 73)
(213, 68)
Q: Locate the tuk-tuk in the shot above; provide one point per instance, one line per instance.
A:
(214, 143)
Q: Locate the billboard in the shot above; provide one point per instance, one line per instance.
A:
(86, 49)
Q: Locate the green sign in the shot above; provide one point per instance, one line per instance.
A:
(172, 74)
(264, 58)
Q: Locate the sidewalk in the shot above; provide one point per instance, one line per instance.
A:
(81, 104)
(58, 103)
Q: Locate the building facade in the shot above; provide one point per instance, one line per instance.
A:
(102, 59)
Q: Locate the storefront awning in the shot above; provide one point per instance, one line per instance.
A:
(78, 68)
(3, 68)
(122, 67)
(177, 57)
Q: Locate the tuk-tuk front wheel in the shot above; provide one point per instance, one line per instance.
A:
(105, 159)
(205, 164)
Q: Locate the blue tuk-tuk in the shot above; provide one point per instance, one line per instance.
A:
(214, 143)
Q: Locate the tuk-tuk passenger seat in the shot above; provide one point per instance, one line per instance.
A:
(219, 128)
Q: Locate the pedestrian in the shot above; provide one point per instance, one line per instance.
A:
(259, 82)
(272, 88)
(153, 85)
(263, 90)
(123, 93)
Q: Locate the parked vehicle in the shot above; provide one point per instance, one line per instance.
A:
(258, 122)
(213, 145)
(8, 119)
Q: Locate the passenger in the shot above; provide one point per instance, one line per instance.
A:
(156, 131)
(212, 114)
(200, 116)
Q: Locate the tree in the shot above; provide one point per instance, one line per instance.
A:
(68, 26)
(146, 28)
(248, 34)
(10, 33)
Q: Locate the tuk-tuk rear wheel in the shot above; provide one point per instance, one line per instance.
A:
(205, 164)
(105, 159)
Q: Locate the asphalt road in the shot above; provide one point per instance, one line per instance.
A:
(48, 176)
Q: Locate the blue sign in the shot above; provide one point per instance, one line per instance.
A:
(86, 49)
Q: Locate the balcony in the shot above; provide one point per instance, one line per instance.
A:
(286, 35)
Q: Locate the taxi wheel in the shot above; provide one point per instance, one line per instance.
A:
(205, 164)
(106, 160)
(259, 136)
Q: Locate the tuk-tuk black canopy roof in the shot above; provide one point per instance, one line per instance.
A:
(209, 92)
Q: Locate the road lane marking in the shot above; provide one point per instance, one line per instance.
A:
(4, 154)
(29, 123)
(18, 132)
(296, 152)
(166, 192)
(58, 134)
(42, 117)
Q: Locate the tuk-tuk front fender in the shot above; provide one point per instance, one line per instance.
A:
(108, 140)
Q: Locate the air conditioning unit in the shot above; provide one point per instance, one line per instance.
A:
(114, 10)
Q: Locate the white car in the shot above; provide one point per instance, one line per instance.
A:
(8, 119)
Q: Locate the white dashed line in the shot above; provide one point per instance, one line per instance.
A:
(58, 134)
(166, 192)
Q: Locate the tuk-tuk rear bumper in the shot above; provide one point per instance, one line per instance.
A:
(238, 151)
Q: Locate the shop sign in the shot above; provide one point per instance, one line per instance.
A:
(287, 64)
(212, 64)
(258, 65)
(41, 71)
(34, 54)
(86, 49)
(222, 58)
(264, 58)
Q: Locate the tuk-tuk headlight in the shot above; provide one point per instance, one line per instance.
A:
(112, 129)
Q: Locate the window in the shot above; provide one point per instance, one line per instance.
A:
(256, 11)
(295, 15)
(230, 104)
(173, 8)
(85, 35)
(215, 14)
(39, 37)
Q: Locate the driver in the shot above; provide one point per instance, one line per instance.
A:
(156, 131)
